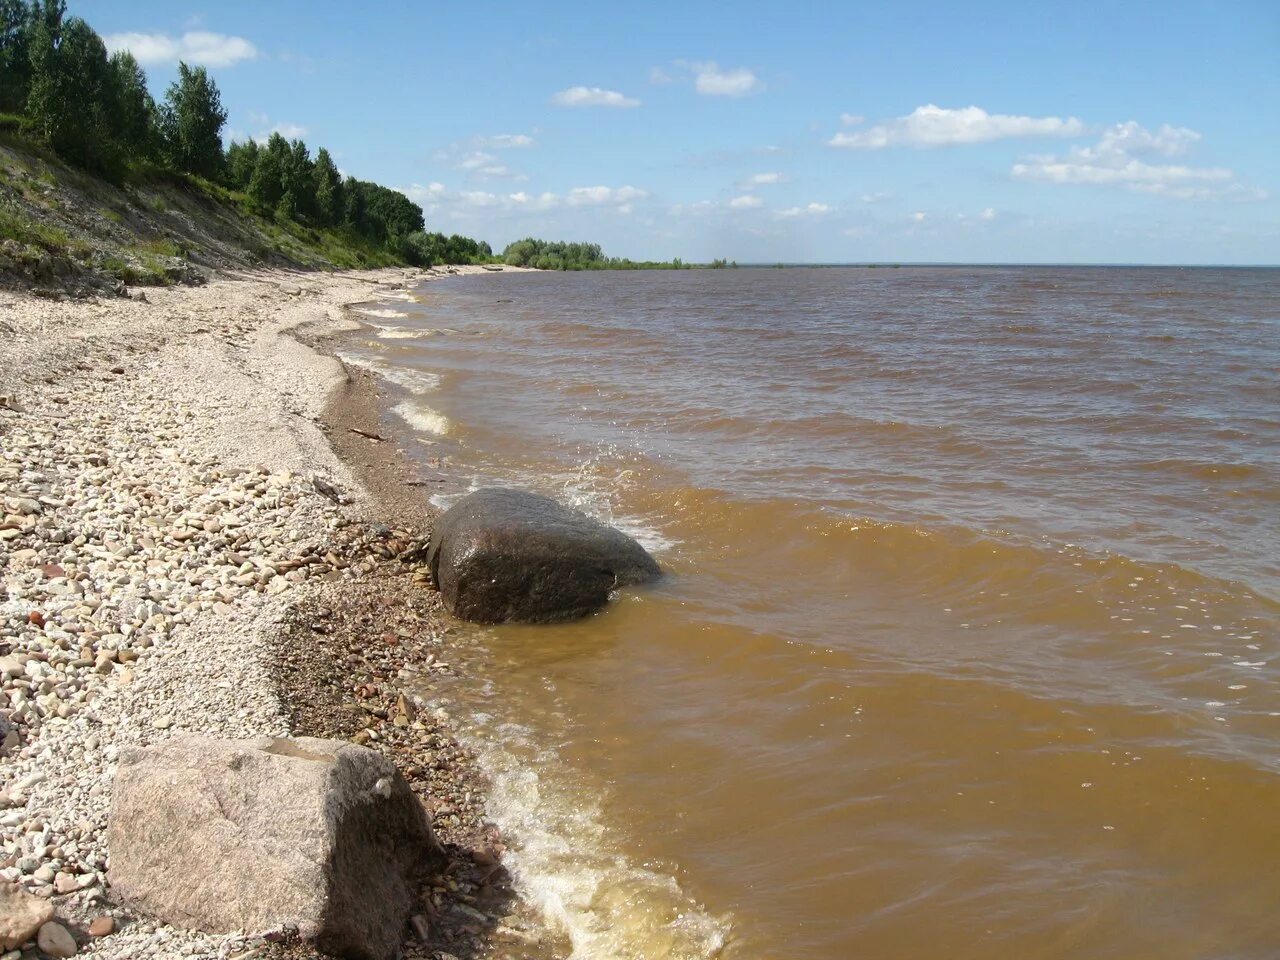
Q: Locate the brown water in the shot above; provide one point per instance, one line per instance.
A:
(968, 647)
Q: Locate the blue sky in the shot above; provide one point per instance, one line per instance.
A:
(1125, 132)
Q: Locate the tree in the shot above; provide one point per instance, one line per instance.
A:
(192, 119)
(266, 186)
(299, 181)
(15, 59)
(242, 160)
(70, 90)
(132, 111)
(328, 190)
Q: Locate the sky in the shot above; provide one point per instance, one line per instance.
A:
(765, 132)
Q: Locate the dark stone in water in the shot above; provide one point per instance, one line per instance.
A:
(508, 555)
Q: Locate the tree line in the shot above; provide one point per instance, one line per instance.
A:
(558, 255)
(60, 87)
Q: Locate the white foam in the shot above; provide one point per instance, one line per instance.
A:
(381, 313)
(415, 381)
(398, 333)
(422, 417)
(564, 863)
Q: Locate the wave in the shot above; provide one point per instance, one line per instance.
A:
(381, 313)
(422, 418)
(415, 381)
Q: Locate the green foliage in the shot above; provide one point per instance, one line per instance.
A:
(428, 249)
(242, 161)
(328, 190)
(191, 122)
(132, 112)
(60, 93)
(67, 106)
(266, 185)
(15, 61)
(556, 255)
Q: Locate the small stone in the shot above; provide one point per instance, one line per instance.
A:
(102, 927)
(54, 940)
(164, 723)
(66, 883)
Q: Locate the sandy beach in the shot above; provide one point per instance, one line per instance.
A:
(195, 540)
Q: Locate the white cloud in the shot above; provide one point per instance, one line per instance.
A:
(988, 214)
(918, 216)
(290, 131)
(808, 210)
(593, 97)
(745, 202)
(620, 198)
(765, 179)
(195, 46)
(877, 197)
(505, 141)
(711, 81)
(528, 201)
(485, 166)
(659, 77)
(1117, 160)
(934, 126)
(851, 119)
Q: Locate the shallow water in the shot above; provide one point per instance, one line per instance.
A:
(968, 644)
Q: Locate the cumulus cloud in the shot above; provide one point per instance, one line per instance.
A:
(485, 166)
(712, 81)
(808, 210)
(934, 126)
(851, 119)
(765, 179)
(745, 202)
(290, 131)
(619, 198)
(1123, 157)
(593, 97)
(988, 214)
(195, 46)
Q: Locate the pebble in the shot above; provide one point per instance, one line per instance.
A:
(145, 565)
(102, 927)
(54, 941)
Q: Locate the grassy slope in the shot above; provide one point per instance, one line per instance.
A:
(63, 229)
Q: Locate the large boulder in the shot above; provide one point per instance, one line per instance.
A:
(21, 915)
(256, 835)
(500, 555)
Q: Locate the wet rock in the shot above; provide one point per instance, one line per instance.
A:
(509, 555)
(318, 834)
(21, 915)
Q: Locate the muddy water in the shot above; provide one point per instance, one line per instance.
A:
(969, 642)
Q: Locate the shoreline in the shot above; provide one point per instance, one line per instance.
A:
(171, 566)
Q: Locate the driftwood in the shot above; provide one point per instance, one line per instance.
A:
(365, 433)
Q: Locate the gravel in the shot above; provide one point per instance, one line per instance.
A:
(172, 521)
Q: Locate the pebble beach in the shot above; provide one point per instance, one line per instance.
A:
(185, 551)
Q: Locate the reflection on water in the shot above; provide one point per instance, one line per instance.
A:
(968, 641)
